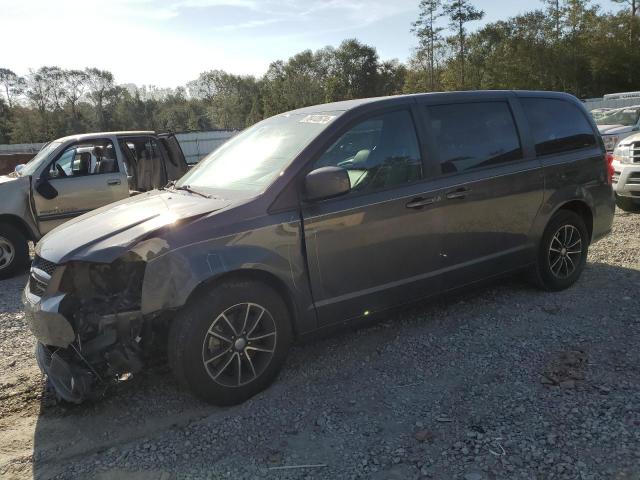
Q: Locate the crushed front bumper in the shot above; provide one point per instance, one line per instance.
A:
(71, 382)
(45, 321)
(55, 354)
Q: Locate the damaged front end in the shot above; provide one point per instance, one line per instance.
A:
(88, 322)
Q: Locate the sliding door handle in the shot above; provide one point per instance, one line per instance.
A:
(420, 202)
(458, 194)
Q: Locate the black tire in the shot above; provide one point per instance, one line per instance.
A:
(546, 274)
(14, 251)
(191, 340)
(628, 204)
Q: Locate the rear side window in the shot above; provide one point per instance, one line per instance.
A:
(557, 126)
(474, 135)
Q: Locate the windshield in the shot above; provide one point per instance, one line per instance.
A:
(33, 164)
(250, 161)
(624, 116)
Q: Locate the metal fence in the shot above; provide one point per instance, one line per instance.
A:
(195, 145)
(21, 148)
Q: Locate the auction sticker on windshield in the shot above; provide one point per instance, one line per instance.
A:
(321, 119)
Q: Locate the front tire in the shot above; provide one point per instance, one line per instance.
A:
(14, 251)
(562, 253)
(628, 204)
(230, 341)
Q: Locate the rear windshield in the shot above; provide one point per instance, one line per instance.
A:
(557, 125)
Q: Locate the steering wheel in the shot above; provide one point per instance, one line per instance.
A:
(61, 171)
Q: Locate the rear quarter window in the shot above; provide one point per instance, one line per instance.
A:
(557, 126)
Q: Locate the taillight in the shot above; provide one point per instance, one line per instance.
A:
(608, 161)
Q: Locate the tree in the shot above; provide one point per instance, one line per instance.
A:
(205, 86)
(352, 71)
(12, 84)
(5, 122)
(633, 4)
(75, 83)
(634, 10)
(461, 12)
(102, 88)
(429, 34)
(54, 77)
(555, 11)
(39, 93)
(391, 77)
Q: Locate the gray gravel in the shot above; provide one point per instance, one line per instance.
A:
(505, 382)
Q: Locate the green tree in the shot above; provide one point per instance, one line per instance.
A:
(460, 13)
(353, 71)
(5, 122)
(101, 91)
(12, 84)
(75, 84)
(429, 35)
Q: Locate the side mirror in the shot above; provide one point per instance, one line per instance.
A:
(327, 182)
(19, 168)
(44, 188)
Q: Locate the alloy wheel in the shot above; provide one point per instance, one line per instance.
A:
(565, 251)
(7, 253)
(239, 344)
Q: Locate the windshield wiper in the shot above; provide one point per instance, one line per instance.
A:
(187, 188)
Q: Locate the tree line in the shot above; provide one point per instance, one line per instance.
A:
(565, 45)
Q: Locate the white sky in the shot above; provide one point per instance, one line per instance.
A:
(169, 42)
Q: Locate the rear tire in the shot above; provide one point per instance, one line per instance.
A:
(230, 341)
(562, 253)
(628, 204)
(14, 251)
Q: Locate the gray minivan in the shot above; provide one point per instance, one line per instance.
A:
(312, 219)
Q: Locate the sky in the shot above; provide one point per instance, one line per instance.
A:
(169, 42)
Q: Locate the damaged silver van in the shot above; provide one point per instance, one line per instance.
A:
(74, 175)
(312, 219)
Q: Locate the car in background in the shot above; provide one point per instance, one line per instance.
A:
(74, 175)
(313, 219)
(617, 123)
(598, 113)
(626, 177)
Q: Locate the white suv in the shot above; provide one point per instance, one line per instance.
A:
(626, 177)
(617, 124)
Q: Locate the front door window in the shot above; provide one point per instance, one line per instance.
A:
(85, 158)
(379, 153)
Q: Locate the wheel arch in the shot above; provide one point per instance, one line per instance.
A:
(256, 275)
(19, 223)
(581, 208)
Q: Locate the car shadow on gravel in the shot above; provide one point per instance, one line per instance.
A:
(354, 372)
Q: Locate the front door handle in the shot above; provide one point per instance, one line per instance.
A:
(420, 202)
(458, 194)
(113, 182)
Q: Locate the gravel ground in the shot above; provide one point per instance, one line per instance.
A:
(505, 382)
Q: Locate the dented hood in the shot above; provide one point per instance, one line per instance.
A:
(104, 234)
